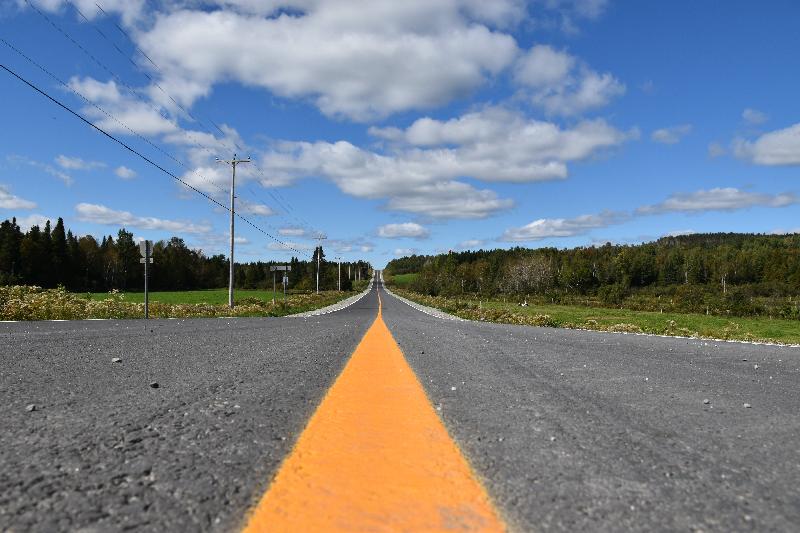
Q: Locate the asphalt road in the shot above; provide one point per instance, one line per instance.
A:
(568, 430)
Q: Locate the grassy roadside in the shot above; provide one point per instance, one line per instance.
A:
(211, 296)
(34, 303)
(622, 320)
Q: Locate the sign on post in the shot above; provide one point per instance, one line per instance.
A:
(280, 268)
(146, 251)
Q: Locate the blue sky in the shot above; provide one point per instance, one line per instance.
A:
(399, 127)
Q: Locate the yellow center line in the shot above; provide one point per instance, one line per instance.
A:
(375, 457)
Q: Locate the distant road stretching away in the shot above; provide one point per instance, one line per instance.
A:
(379, 415)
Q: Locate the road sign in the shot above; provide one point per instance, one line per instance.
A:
(143, 248)
(280, 268)
(142, 260)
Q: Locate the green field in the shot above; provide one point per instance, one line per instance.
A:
(604, 319)
(212, 296)
(403, 280)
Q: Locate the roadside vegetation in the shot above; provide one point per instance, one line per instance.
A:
(34, 303)
(730, 286)
(757, 329)
(50, 257)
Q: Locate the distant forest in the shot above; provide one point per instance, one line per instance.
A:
(726, 274)
(49, 257)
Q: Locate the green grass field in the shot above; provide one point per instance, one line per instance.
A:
(403, 280)
(212, 296)
(603, 319)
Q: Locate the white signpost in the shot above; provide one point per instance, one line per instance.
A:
(146, 251)
(284, 269)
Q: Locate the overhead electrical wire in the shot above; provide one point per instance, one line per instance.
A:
(122, 143)
(278, 198)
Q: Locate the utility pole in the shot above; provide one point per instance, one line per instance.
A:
(232, 162)
(320, 238)
(339, 260)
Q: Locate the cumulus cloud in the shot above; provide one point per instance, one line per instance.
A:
(403, 230)
(402, 252)
(129, 10)
(292, 232)
(420, 172)
(561, 84)
(718, 199)
(289, 246)
(470, 244)
(125, 173)
(128, 112)
(545, 228)
(250, 208)
(781, 147)
(353, 59)
(10, 201)
(76, 163)
(671, 135)
(754, 117)
(27, 222)
(100, 214)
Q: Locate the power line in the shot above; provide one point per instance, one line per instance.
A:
(282, 203)
(140, 155)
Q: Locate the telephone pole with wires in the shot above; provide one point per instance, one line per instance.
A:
(232, 162)
(320, 238)
(339, 260)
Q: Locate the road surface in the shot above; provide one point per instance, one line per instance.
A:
(553, 430)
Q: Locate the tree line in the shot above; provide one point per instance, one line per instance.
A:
(53, 256)
(726, 273)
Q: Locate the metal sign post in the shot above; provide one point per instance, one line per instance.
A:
(284, 269)
(146, 251)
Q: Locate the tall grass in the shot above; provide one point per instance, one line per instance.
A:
(21, 302)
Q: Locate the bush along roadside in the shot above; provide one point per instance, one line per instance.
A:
(697, 326)
(20, 302)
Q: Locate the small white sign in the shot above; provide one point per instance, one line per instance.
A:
(142, 260)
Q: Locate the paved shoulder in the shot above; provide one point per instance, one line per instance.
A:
(582, 430)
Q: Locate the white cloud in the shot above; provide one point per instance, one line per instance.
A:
(420, 172)
(781, 147)
(10, 201)
(289, 246)
(754, 117)
(719, 199)
(76, 163)
(680, 233)
(355, 59)
(49, 169)
(100, 214)
(249, 208)
(561, 84)
(128, 10)
(545, 228)
(400, 252)
(125, 173)
(671, 135)
(292, 232)
(403, 230)
(126, 113)
(470, 244)
(27, 222)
